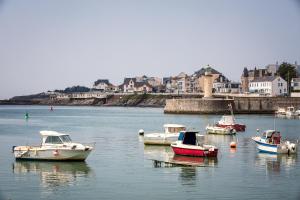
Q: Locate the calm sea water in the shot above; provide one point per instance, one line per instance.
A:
(122, 168)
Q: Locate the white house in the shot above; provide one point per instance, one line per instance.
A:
(295, 84)
(131, 85)
(269, 86)
(103, 85)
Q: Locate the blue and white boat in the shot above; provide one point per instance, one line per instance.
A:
(271, 142)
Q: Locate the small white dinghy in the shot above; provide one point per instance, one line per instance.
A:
(55, 146)
(170, 135)
(271, 142)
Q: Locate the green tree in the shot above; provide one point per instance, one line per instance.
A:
(287, 71)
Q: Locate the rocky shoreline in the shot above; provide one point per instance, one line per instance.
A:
(130, 100)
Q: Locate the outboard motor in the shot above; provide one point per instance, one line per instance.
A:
(13, 149)
(292, 148)
(141, 132)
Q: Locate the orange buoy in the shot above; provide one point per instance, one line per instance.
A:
(232, 144)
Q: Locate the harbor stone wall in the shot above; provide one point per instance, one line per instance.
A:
(241, 105)
(194, 106)
(258, 105)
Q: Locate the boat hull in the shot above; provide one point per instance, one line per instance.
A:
(160, 139)
(186, 151)
(52, 154)
(282, 148)
(237, 127)
(265, 148)
(220, 131)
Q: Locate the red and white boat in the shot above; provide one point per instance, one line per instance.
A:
(228, 121)
(188, 145)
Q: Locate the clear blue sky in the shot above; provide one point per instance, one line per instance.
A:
(46, 45)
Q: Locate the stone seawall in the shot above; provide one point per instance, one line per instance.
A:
(241, 105)
(263, 104)
(195, 106)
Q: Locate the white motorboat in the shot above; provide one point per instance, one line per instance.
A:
(271, 142)
(54, 146)
(290, 112)
(220, 130)
(170, 135)
(281, 111)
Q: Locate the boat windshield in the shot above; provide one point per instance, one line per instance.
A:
(65, 138)
(53, 140)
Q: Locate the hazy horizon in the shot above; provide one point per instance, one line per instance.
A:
(47, 45)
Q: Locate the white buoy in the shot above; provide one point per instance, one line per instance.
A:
(141, 132)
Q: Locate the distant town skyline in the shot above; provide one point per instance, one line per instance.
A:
(52, 45)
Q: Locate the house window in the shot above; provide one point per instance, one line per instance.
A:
(280, 91)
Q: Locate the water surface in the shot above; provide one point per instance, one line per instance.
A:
(122, 168)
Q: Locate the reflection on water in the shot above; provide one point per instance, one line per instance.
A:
(218, 140)
(275, 163)
(188, 176)
(287, 116)
(53, 174)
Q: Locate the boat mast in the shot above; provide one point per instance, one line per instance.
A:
(230, 108)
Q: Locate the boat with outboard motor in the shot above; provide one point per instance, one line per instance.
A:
(291, 112)
(190, 145)
(170, 135)
(54, 146)
(270, 142)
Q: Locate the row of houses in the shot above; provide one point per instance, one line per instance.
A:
(267, 82)
(264, 81)
(180, 84)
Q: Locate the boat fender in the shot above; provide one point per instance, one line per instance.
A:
(55, 152)
(13, 149)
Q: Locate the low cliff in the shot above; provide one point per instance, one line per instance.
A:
(139, 100)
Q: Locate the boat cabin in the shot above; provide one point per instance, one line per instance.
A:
(272, 136)
(53, 137)
(290, 109)
(174, 128)
(188, 137)
(227, 119)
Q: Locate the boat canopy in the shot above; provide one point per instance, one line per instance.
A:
(188, 137)
(53, 137)
(174, 128)
(270, 133)
(174, 125)
(291, 109)
(272, 136)
(51, 133)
